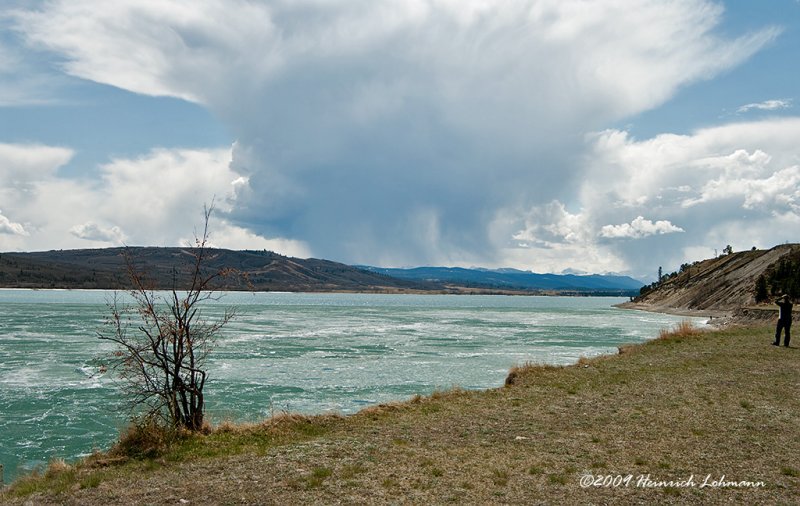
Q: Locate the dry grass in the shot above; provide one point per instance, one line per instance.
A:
(689, 404)
(683, 329)
(145, 439)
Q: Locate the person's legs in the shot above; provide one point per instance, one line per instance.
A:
(787, 329)
(778, 333)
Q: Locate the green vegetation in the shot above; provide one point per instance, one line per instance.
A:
(687, 403)
(780, 278)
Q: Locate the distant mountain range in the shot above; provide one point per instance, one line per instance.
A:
(261, 271)
(268, 271)
(513, 279)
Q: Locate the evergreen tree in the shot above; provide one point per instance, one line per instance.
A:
(761, 289)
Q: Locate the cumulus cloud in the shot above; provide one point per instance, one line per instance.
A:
(735, 184)
(767, 105)
(155, 199)
(28, 162)
(93, 232)
(779, 189)
(21, 165)
(9, 227)
(552, 224)
(404, 132)
(637, 228)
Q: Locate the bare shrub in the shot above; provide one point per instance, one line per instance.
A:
(163, 340)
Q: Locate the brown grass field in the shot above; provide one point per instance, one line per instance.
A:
(651, 425)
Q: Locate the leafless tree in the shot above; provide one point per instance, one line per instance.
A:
(163, 339)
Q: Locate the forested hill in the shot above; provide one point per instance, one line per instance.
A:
(728, 282)
(268, 271)
(260, 270)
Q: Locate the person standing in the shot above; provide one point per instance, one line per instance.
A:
(784, 320)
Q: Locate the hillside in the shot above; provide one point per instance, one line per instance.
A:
(262, 270)
(513, 279)
(724, 283)
(268, 271)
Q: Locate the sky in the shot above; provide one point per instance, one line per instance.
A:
(604, 136)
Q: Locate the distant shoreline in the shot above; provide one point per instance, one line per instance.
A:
(401, 291)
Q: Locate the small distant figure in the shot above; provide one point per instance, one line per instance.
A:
(784, 320)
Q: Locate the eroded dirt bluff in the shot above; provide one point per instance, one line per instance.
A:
(724, 283)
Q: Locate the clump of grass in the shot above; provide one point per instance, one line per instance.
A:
(790, 471)
(516, 373)
(500, 477)
(318, 476)
(350, 471)
(229, 427)
(672, 491)
(453, 393)
(390, 483)
(313, 480)
(381, 410)
(513, 376)
(681, 330)
(293, 423)
(57, 478)
(91, 481)
(57, 466)
(145, 439)
(425, 462)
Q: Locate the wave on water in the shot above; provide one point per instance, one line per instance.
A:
(294, 352)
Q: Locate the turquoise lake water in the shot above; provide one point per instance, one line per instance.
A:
(309, 353)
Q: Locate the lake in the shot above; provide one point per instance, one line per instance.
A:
(310, 353)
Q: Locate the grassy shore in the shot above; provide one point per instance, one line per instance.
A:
(688, 408)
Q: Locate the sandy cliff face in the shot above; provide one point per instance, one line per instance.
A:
(725, 283)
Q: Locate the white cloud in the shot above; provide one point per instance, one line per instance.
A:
(156, 199)
(226, 235)
(638, 228)
(9, 227)
(740, 181)
(767, 105)
(780, 190)
(551, 224)
(735, 184)
(93, 232)
(27, 162)
(414, 131)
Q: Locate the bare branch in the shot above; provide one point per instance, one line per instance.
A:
(163, 340)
